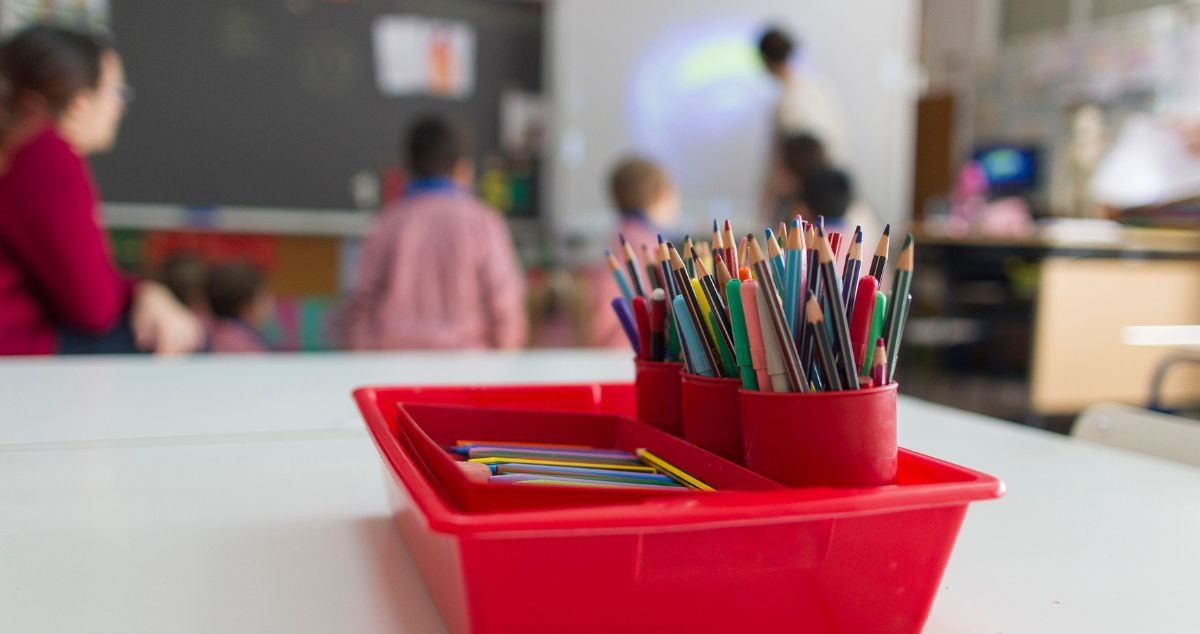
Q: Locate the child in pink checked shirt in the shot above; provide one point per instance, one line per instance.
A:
(438, 268)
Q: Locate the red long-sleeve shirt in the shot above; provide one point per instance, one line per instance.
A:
(55, 264)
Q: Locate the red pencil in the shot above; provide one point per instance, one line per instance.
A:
(641, 317)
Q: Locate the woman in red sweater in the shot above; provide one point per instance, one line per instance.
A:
(62, 94)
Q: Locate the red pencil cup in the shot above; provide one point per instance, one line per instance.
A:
(840, 439)
(658, 400)
(712, 416)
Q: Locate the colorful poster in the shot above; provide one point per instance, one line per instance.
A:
(424, 56)
(80, 14)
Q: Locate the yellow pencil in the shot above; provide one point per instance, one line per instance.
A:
(671, 470)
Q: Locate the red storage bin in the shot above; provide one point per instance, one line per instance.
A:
(658, 394)
(815, 559)
(843, 438)
(712, 417)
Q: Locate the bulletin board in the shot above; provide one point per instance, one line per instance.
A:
(284, 104)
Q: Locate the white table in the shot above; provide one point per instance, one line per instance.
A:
(241, 495)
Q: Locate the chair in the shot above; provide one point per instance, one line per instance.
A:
(1141, 430)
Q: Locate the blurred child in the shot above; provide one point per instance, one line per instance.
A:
(648, 204)
(799, 153)
(438, 268)
(240, 303)
(186, 276)
(829, 192)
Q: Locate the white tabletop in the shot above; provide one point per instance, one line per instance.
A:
(239, 495)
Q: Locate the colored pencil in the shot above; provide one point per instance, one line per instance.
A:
(621, 308)
(776, 371)
(720, 323)
(775, 312)
(879, 260)
(793, 291)
(687, 256)
(658, 324)
(676, 348)
(816, 324)
(652, 272)
(565, 463)
(879, 371)
(718, 246)
(683, 281)
(778, 266)
(693, 349)
(641, 318)
(851, 271)
(631, 264)
(731, 248)
(618, 275)
(894, 344)
(896, 313)
(837, 317)
(663, 466)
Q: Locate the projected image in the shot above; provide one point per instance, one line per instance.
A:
(700, 87)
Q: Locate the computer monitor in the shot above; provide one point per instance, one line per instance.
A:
(1009, 168)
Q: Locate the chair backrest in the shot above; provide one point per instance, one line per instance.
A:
(1136, 429)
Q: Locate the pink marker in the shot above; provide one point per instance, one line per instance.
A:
(758, 351)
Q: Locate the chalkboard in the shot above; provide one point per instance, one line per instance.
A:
(275, 104)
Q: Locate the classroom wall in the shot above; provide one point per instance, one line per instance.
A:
(680, 79)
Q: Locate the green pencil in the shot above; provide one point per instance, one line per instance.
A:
(894, 324)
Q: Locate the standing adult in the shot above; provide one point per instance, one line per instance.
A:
(805, 107)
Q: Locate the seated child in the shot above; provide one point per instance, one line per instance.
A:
(186, 276)
(648, 204)
(239, 302)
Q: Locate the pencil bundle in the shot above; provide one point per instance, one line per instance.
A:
(779, 318)
(569, 465)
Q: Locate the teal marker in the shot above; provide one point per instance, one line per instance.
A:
(741, 340)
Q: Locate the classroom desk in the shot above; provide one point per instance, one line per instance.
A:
(226, 520)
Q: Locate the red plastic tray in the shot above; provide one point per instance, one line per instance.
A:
(815, 559)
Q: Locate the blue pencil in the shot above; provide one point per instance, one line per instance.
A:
(698, 361)
(619, 276)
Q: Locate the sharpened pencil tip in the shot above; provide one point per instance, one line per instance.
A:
(887, 229)
(714, 225)
(622, 237)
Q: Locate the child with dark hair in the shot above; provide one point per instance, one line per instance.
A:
(647, 203)
(828, 191)
(438, 268)
(240, 302)
(186, 276)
